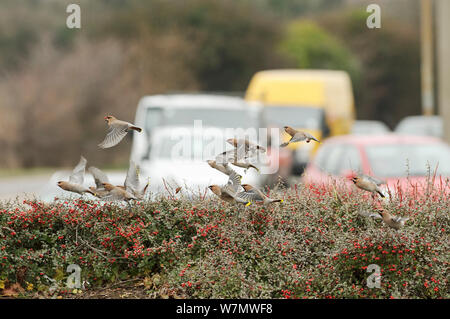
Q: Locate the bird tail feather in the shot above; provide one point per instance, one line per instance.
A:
(136, 128)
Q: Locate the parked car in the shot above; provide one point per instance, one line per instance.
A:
(421, 125)
(183, 109)
(394, 158)
(366, 127)
(178, 157)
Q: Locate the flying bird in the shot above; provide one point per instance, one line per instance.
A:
(76, 179)
(225, 168)
(366, 213)
(243, 149)
(237, 143)
(252, 194)
(298, 136)
(377, 181)
(117, 193)
(117, 131)
(100, 178)
(395, 222)
(221, 167)
(236, 155)
(228, 191)
(244, 165)
(132, 183)
(368, 184)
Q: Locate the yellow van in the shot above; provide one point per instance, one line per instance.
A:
(318, 101)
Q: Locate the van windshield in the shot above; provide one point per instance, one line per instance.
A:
(311, 118)
(213, 117)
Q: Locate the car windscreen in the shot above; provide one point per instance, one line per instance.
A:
(312, 118)
(213, 117)
(422, 126)
(153, 117)
(186, 146)
(397, 160)
(367, 128)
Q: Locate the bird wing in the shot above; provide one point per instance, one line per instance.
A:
(225, 157)
(111, 197)
(232, 173)
(117, 194)
(399, 219)
(132, 180)
(374, 180)
(310, 136)
(376, 216)
(115, 134)
(298, 137)
(234, 182)
(77, 176)
(250, 196)
(99, 177)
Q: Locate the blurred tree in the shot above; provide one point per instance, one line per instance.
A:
(295, 8)
(230, 40)
(311, 47)
(129, 48)
(15, 46)
(389, 87)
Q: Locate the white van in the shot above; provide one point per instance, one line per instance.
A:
(183, 109)
(163, 116)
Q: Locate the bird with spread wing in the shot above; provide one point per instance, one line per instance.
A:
(76, 179)
(117, 131)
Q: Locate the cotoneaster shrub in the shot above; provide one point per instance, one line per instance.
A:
(314, 245)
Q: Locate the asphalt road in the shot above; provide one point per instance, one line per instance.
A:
(22, 187)
(44, 186)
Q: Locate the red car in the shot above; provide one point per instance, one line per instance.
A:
(399, 160)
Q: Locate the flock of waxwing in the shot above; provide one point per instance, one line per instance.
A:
(233, 191)
(130, 190)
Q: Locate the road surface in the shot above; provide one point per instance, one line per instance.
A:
(22, 187)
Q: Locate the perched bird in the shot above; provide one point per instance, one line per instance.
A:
(367, 184)
(117, 193)
(177, 190)
(395, 222)
(298, 136)
(99, 178)
(228, 191)
(132, 183)
(252, 194)
(117, 131)
(76, 179)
